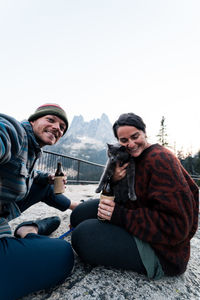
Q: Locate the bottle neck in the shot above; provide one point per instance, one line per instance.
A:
(59, 171)
(107, 190)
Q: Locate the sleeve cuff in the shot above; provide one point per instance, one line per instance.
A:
(116, 218)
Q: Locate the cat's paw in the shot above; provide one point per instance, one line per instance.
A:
(98, 190)
(132, 197)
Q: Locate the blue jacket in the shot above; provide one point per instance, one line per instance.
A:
(19, 152)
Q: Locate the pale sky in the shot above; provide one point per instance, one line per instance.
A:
(105, 56)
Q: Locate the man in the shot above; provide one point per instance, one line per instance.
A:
(30, 261)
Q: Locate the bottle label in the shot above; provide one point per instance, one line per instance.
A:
(59, 186)
(107, 197)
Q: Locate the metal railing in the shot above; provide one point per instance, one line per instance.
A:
(77, 170)
(196, 179)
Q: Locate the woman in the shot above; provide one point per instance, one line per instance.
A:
(152, 234)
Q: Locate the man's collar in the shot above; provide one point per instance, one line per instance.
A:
(31, 137)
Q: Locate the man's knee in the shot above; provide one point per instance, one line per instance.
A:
(65, 258)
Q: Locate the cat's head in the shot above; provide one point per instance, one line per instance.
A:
(117, 152)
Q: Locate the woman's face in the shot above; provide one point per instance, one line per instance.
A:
(133, 139)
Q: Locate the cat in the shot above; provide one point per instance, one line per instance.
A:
(123, 189)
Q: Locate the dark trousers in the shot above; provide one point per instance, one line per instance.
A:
(101, 243)
(44, 193)
(34, 262)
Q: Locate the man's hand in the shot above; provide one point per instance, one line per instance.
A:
(51, 179)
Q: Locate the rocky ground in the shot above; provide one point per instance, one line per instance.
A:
(107, 283)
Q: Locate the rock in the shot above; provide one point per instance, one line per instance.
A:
(103, 283)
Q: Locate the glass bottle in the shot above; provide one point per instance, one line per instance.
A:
(107, 190)
(59, 185)
(107, 193)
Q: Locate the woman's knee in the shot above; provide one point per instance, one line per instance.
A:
(101, 243)
(84, 211)
(85, 239)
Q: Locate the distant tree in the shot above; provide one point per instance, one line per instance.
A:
(191, 164)
(162, 135)
(197, 163)
(180, 155)
(188, 164)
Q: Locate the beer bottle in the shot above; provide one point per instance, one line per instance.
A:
(107, 193)
(59, 186)
(107, 190)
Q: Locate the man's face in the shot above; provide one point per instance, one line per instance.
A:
(48, 129)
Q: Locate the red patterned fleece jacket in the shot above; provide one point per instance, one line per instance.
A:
(165, 213)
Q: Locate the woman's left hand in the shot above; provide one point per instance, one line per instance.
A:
(120, 172)
(105, 209)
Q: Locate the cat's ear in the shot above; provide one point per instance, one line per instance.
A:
(109, 146)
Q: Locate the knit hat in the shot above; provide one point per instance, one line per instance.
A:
(49, 109)
(129, 119)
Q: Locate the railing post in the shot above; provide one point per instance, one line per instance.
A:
(78, 171)
(48, 161)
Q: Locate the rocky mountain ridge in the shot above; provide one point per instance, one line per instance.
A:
(86, 140)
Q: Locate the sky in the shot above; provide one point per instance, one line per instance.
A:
(105, 56)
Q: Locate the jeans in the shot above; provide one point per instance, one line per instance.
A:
(44, 193)
(35, 262)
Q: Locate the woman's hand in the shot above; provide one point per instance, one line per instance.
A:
(120, 172)
(105, 209)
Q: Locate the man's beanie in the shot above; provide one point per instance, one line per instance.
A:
(129, 119)
(49, 109)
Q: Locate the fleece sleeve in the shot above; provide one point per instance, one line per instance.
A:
(11, 137)
(167, 209)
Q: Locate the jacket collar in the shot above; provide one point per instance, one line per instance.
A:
(31, 138)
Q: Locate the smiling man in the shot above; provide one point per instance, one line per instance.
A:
(29, 254)
(49, 124)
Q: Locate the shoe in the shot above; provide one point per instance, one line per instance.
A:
(45, 226)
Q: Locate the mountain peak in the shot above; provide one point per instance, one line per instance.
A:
(105, 118)
(87, 140)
